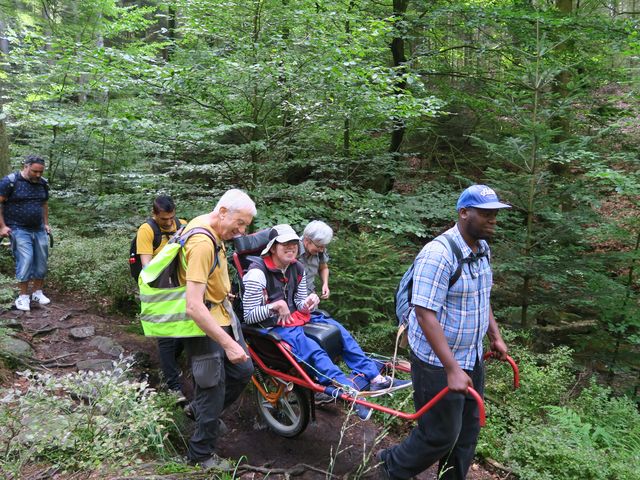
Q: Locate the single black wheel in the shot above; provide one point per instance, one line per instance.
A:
(286, 412)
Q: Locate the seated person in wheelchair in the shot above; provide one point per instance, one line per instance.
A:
(314, 257)
(275, 297)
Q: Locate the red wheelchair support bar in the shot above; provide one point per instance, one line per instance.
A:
(305, 381)
(516, 372)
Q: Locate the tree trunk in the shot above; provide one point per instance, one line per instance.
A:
(5, 159)
(171, 22)
(399, 63)
(384, 183)
(562, 122)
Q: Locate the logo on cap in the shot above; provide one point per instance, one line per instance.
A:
(487, 192)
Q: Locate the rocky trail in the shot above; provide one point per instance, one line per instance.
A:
(67, 335)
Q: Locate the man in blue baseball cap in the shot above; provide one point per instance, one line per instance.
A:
(450, 316)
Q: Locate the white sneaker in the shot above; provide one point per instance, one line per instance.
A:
(23, 303)
(40, 297)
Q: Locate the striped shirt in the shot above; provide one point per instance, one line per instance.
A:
(462, 310)
(254, 299)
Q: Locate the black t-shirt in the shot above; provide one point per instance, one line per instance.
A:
(24, 206)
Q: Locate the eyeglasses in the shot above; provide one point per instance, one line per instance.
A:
(319, 247)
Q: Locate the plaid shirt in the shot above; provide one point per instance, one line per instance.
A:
(463, 310)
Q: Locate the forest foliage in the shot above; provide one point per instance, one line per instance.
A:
(371, 116)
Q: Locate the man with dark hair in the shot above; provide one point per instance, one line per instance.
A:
(163, 221)
(24, 218)
(163, 216)
(446, 328)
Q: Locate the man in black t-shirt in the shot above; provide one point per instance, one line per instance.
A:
(24, 218)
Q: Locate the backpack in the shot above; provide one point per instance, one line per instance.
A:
(163, 303)
(135, 264)
(405, 287)
(12, 184)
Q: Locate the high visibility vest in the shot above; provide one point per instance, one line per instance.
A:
(163, 301)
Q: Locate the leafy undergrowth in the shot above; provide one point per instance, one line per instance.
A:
(551, 429)
(82, 420)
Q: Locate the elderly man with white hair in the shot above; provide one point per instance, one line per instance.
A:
(220, 361)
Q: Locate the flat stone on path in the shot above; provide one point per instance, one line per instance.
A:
(10, 323)
(15, 347)
(107, 345)
(82, 332)
(96, 365)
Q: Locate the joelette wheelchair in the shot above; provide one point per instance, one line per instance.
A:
(285, 387)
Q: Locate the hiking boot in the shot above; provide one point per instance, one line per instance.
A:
(322, 398)
(179, 399)
(188, 411)
(214, 462)
(381, 468)
(364, 413)
(23, 303)
(390, 384)
(40, 297)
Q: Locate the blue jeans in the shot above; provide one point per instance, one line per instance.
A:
(308, 351)
(31, 251)
(447, 433)
(352, 354)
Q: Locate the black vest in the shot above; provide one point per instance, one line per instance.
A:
(280, 286)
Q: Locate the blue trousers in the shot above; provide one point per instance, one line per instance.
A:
(448, 433)
(308, 351)
(352, 354)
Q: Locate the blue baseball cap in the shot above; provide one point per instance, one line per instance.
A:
(480, 196)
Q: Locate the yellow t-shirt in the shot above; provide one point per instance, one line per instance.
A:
(144, 239)
(199, 255)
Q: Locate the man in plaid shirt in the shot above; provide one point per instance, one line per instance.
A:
(446, 328)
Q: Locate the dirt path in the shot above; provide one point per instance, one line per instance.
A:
(50, 331)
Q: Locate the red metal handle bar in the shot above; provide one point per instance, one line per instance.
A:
(482, 418)
(238, 265)
(516, 371)
(305, 381)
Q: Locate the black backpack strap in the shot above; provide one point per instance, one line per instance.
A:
(12, 183)
(455, 249)
(457, 253)
(157, 234)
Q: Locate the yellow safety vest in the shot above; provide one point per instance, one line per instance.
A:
(163, 301)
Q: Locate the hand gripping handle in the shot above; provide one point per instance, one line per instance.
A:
(482, 418)
(516, 372)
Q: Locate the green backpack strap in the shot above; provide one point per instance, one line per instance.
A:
(182, 239)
